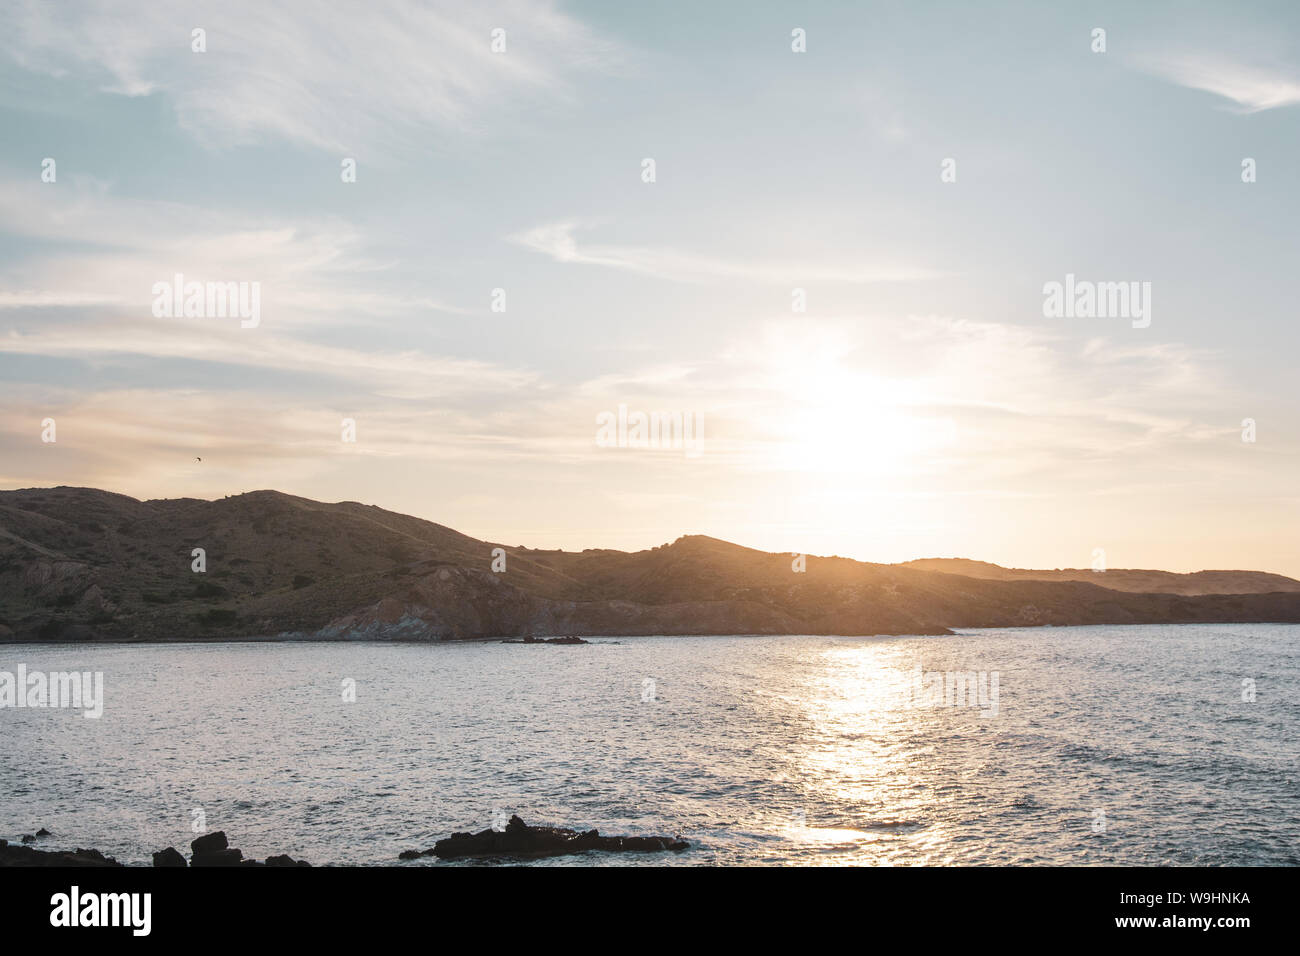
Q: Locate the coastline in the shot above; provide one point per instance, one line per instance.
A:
(544, 640)
(287, 569)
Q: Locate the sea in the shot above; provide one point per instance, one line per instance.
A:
(1136, 745)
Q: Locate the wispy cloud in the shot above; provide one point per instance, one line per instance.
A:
(36, 299)
(886, 415)
(105, 250)
(411, 374)
(1250, 88)
(363, 77)
(558, 240)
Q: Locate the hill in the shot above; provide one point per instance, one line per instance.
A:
(1122, 579)
(84, 564)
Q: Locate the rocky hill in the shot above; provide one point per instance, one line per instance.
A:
(83, 564)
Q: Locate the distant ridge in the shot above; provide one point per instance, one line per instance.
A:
(1121, 579)
(83, 564)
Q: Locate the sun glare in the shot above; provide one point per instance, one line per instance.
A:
(840, 422)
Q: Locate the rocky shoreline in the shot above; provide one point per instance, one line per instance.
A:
(211, 849)
(546, 640)
(519, 840)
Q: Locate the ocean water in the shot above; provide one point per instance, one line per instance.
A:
(1107, 745)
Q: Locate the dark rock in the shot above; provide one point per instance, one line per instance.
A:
(28, 838)
(224, 857)
(42, 832)
(91, 857)
(415, 854)
(19, 855)
(209, 842)
(169, 857)
(210, 850)
(92, 854)
(519, 839)
(546, 640)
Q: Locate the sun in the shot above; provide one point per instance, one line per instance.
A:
(851, 423)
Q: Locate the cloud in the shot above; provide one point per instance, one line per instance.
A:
(410, 374)
(558, 241)
(1252, 89)
(104, 250)
(937, 395)
(32, 299)
(876, 409)
(361, 77)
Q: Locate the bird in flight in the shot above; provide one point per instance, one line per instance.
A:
(198, 459)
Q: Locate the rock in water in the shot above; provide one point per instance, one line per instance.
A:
(209, 850)
(217, 858)
(519, 839)
(169, 857)
(209, 843)
(18, 855)
(546, 640)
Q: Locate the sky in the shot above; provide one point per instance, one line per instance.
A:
(837, 269)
